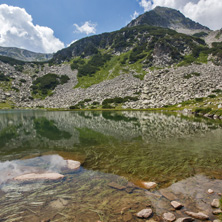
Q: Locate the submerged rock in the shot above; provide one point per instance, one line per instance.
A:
(116, 186)
(215, 203)
(145, 213)
(199, 215)
(176, 205)
(210, 191)
(169, 217)
(73, 165)
(149, 185)
(39, 176)
(217, 212)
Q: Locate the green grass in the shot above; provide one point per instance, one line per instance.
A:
(116, 66)
(110, 70)
(188, 59)
(202, 58)
(6, 105)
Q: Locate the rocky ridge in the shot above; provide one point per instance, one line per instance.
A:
(24, 55)
(168, 18)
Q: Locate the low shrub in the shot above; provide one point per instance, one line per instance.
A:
(199, 99)
(202, 110)
(212, 96)
(4, 78)
(45, 84)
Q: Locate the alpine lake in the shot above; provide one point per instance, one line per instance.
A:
(118, 150)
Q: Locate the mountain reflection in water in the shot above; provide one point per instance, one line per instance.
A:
(137, 145)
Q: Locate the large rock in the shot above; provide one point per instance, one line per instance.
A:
(149, 185)
(169, 217)
(215, 203)
(199, 215)
(176, 205)
(145, 213)
(39, 176)
(73, 165)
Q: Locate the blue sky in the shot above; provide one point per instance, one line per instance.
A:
(61, 15)
(49, 25)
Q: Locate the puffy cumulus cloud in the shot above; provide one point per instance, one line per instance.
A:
(88, 28)
(206, 12)
(17, 30)
(135, 15)
(146, 4)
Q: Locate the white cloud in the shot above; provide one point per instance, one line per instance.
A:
(146, 4)
(206, 12)
(72, 42)
(87, 27)
(135, 15)
(18, 30)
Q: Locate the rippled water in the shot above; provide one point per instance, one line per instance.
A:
(141, 146)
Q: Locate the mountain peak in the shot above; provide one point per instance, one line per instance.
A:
(168, 18)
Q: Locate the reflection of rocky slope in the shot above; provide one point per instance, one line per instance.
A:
(49, 130)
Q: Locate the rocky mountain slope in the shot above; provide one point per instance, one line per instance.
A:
(168, 18)
(136, 67)
(24, 55)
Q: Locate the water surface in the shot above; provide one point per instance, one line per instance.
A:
(120, 147)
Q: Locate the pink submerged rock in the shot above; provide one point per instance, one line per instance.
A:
(210, 191)
(73, 165)
(169, 217)
(145, 213)
(149, 185)
(39, 176)
(176, 205)
(199, 215)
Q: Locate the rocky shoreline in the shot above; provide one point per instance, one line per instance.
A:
(197, 198)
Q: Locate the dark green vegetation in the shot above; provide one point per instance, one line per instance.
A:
(91, 66)
(89, 137)
(200, 34)
(81, 104)
(200, 54)
(106, 104)
(4, 77)
(47, 128)
(44, 85)
(7, 134)
(202, 110)
(188, 76)
(112, 103)
(11, 61)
